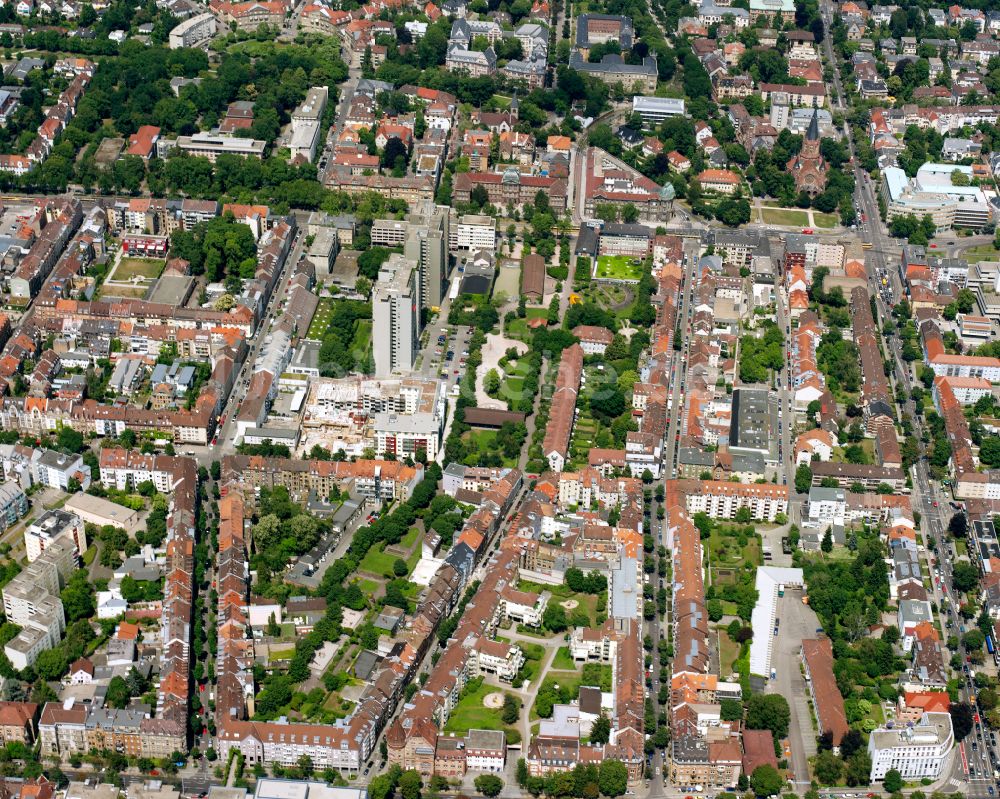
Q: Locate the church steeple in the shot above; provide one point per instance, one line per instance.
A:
(812, 134)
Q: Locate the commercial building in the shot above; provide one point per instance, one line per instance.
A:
(932, 192)
(472, 232)
(612, 68)
(396, 303)
(101, 512)
(211, 146)
(916, 751)
(654, 110)
(307, 123)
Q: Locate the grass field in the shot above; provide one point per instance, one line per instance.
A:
(134, 292)
(826, 220)
(368, 587)
(410, 538)
(618, 267)
(776, 216)
(139, 267)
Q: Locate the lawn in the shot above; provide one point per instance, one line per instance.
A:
(781, 216)
(376, 561)
(570, 680)
(512, 386)
(368, 587)
(362, 336)
(533, 656)
(485, 441)
(410, 538)
(618, 267)
(519, 327)
(564, 660)
(281, 654)
(826, 220)
(729, 651)
(472, 714)
(725, 550)
(139, 267)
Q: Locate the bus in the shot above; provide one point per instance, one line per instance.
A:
(989, 644)
(866, 245)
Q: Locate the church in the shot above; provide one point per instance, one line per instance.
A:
(808, 167)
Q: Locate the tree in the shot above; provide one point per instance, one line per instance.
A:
(511, 710)
(118, 693)
(731, 709)
(399, 567)
(964, 577)
(803, 479)
(410, 784)
(612, 778)
(554, 618)
(491, 382)
(78, 597)
(893, 781)
(766, 781)
(51, 664)
(829, 768)
(69, 439)
(489, 785)
(827, 543)
(961, 719)
(958, 525)
(600, 731)
(768, 712)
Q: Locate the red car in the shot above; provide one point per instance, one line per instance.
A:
(808, 231)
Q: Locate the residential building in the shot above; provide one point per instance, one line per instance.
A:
(396, 303)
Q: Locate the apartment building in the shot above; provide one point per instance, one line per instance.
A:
(396, 303)
(17, 722)
(721, 500)
(193, 31)
(817, 659)
(55, 525)
(376, 481)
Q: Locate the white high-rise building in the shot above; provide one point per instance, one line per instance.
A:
(396, 316)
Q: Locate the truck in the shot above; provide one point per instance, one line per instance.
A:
(781, 590)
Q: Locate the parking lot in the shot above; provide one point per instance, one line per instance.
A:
(796, 622)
